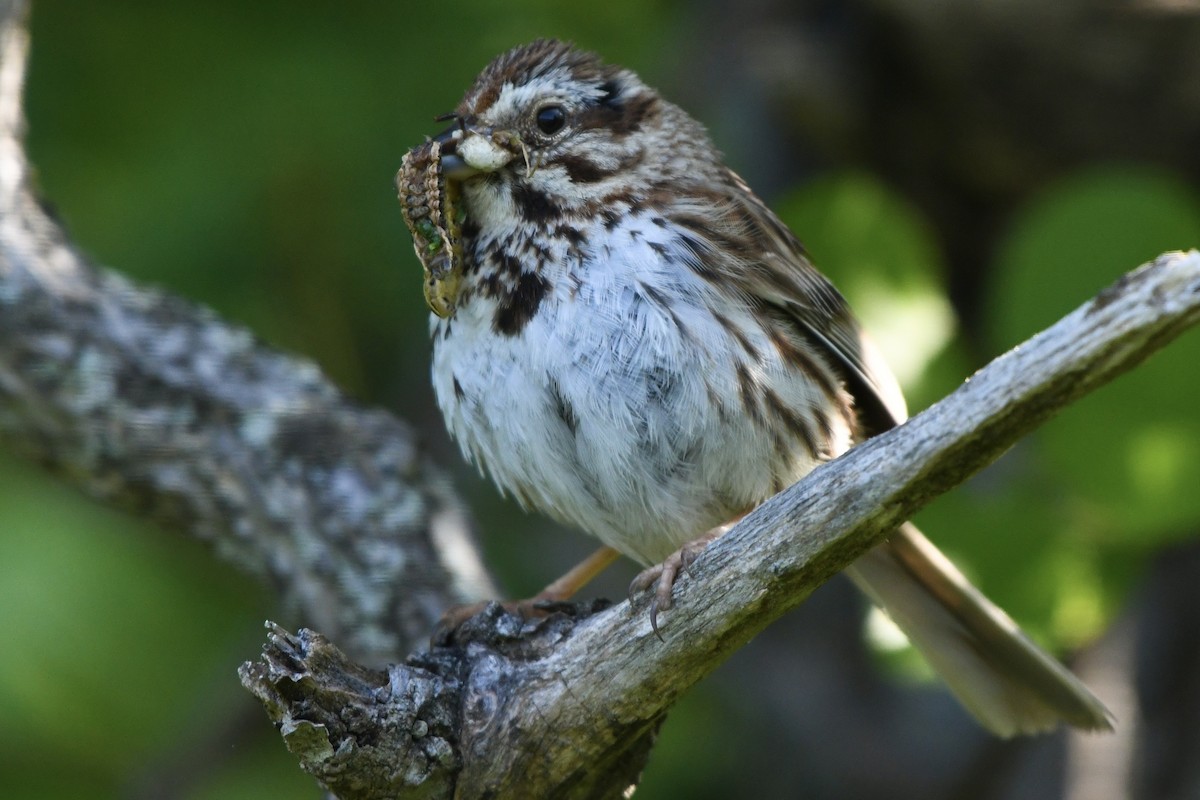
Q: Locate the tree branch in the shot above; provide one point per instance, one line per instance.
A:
(568, 708)
(153, 404)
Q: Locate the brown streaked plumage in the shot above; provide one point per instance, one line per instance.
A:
(641, 348)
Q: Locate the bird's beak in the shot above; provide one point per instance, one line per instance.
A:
(453, 166)
(456, 169)
(467, 152)
(483, 152)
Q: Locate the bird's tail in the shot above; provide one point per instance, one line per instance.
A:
(1010, 684)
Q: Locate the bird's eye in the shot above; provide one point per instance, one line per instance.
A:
(550, 119)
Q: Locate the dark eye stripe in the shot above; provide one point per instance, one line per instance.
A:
(621, 116)
(582, 170)
(609, 91)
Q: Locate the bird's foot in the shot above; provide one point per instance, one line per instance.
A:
(663, 576)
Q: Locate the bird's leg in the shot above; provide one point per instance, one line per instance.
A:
(577, 577)
(557, 591)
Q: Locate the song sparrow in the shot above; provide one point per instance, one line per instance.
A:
(629, 340)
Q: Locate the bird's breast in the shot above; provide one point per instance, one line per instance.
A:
(632, 401)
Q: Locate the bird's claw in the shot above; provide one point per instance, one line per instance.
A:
(663, 577)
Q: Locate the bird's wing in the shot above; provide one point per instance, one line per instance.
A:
(767, 264)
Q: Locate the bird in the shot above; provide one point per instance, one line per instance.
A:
(626, 338)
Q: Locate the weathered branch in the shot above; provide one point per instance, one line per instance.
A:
(154, 404)
(568, 709)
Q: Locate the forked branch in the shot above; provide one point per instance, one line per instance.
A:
(568, 708)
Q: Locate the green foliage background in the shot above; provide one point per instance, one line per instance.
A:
(242, 155)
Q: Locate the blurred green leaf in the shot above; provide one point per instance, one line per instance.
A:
(122, 633)
(262, 771)
(692, 735)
